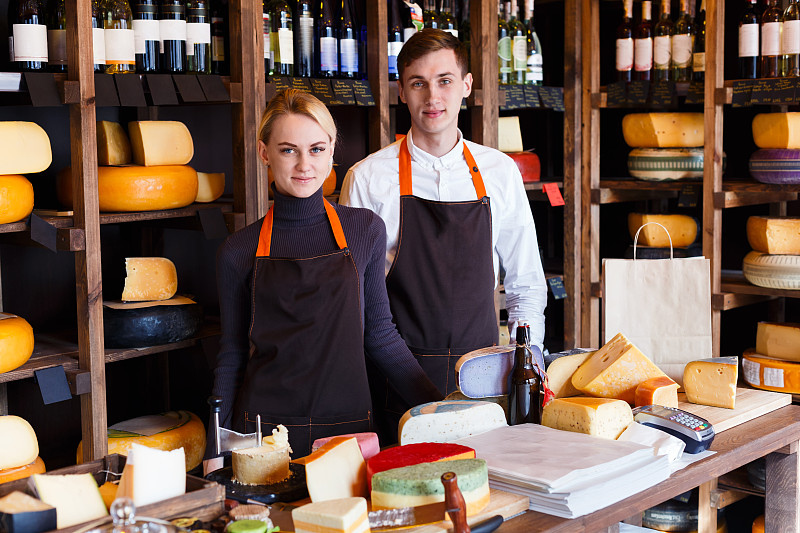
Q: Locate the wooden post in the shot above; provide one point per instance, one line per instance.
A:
(781, 512)
(483, 56)
(378, 73)
(706, 511)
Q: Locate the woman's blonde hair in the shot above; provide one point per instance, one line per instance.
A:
(292, 101)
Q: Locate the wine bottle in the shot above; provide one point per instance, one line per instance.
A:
(219, 37)
(282, 38)
(503, 46)
(624, 58)
(771, 40)
(57, 36)
(29, 34)
(146, 35)
(447, 21)
(465, 33)
(304, 40)
(535, 73)
(395, 38)
(699, 47)
(682, 44)
(198, 37)
(519, 44)
(172, 30)
(748, 42)
(430, 18)
(119, 37)
(524, 404)
(412, 18)
(327, 41)
(348, 41)
(269, 54)
(791, 40)
(662, 44)
(361, 17)
(643, 44)
(98, 36)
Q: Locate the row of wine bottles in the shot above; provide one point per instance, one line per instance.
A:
(778, 33)
(519, 51)
(171, 36)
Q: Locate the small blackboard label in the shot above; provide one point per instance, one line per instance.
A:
(663, 95)
(696, 93)
(362, 93)
(689, 195)
(162, 89)
(532, 96)
(557, 287)
(742, 89)
(515, 96)
(189, 88)
(130, 91)
(42, 89)
(322, 90)
(552, 97)
(105, 91)
(343, 92)
(784, 91)
(638, 92)
(214, 88)
(762, 92)
(213, 223)
(53, 384)
(44, 233)
(617, 94)
(301, 84)
(282, 83)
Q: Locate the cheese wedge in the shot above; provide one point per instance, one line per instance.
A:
(657, 391)
(160, 142)
(337, 470)
(210, 186)
(16, 198)
(345, 515)
(663, 130)
(560, 371)
(149, 278)
(22, 513)
(16, 342)
(777, 130)
(24, 148)
(712, 381)
(774, 235)
(12, 474)
(113, 146)
(18, 443)
(152, 475)
(75, 497)
(682, 229)
(367, 442)
(781, 341)
(600, 417)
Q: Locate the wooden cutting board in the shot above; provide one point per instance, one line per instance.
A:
(750, 404)
(503, 503)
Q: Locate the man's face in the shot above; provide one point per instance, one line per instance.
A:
(432, 87)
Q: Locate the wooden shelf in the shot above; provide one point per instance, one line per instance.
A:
(737, 481)
(735, 193)
(736, 285)
(632, 190)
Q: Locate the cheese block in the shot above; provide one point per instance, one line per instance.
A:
(328, 186)
(22, 513)
(160, 142)
(149, 278)
(421, 484)
(712, 381)
(657, 391)
(113, 146)
(682, 229)
(615, 370)
(774, 235)
(412, 454)
(16, 198)
(666, 164)
(772, 271)
(502, 401)
(75, 497)
(265, 464)
(108, 491)
(166, 431)
(152, 475)
(560, 371)
(778, 166)
(19, 472)
(600, 417)
(485, 372)
(781, 341)
(509, 134)
(210, 186)
(663, 130)
(151, 326)
(24, 148)
(18, 443)
(345, 515)
(367, 442)
(136, 188)
(770, 374)
(447, 421)
(337, 470)
(777, 130)
(16, 342)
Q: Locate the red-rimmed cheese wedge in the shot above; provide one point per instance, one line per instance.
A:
(414, 454)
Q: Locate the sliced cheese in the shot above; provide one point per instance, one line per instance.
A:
(210, 186)
(771, 374)
(509, 135)
(149, 278)
(600, 417)
(682, 229)
(777, 130)
(413, 454)
(663, 130)
(345, 515)
(447, 421)
(16, 198)
(22, 513)
(367, 442)
(560, 371)
(615, 370)
(12, 474)
(18, 443)
(264, 464)
(781, 341)
(657, 391)
(24, 148)
(16, 343)
(774, 235)
(712, 381)
(160, 142)
(75, 497)
(113, 146)
(772, 271)
(152, 475)
(337, 470)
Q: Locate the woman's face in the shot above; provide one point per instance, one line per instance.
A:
(299, 154)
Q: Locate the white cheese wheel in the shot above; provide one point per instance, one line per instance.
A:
(24, 148)
(18, 443)
(772, 271)
(447, 421)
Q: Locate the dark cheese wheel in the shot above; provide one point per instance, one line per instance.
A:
(757, 473)
(649, 252)
(673, 515)
(150, 326)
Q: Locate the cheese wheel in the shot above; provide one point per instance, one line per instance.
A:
(414, 454)
(772, 271)
(24, 148)
(528, 165)
(682, 229)
(447, 421)
(328, 186)
(774, 235)
(777, 166)
(777, 130)
(666, 164)
(210, 186)
(18, 443)
(113, 146)
(16, 198)
(657, 391)
(601, 417)
(781, 341)
(160, 142)
(12, 474)
(149, 278)
(16, 342)
(663, 130)
(135, 188)
(770, 374)
(151, 325)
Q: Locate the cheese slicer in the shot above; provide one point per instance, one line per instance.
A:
(226, 440)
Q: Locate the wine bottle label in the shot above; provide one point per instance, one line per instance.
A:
(394, 49)
(99, 46)
(218, 49)
(283, 46)
(535, 73)
(662, 50)
(328, 54)
(267, 39)
(306, 37)
(643, 54)
(791, 37)
(416, 14)
(682, 50)
(143, 31)
(699, 62)
(349, 52)
(408, 32)
(171, 30)
(57, 47)
(452, 32)
(771, 39)
(197, 33)
(748, 40)
(519, 51)
(504, 53)
(120, 47)
(30, 42)
(624, 54)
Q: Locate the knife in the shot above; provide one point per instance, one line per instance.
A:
(226, 440)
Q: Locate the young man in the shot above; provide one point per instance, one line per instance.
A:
(455, 212)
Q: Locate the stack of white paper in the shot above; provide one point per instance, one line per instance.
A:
(563, 473)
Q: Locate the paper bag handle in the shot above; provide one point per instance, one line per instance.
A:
(636, 238)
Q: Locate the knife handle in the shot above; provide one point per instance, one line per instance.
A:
(488, 525)
(454, 503)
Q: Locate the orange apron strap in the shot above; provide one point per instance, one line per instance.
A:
(265, 237)
(477, 180)
(336, 226)
(406, 188)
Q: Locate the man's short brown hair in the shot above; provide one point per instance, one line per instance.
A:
(430, 40)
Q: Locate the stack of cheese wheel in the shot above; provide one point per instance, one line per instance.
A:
(666, 146)
(24, 149)
(775, 260)
(778, 159)
(653, 241)
(774, 364)
(16, 342)
(19, 449)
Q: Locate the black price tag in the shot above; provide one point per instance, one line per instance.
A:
(638, 92)
(343, 92)
(515, 96)
(213, 223)
(301, 84)
(42, 89)
(532, 96)
(618, 94)
(129, 89)
(502, 98)
(214, 88)
(189, 88)
(557, 287)
(742, 89)
(552, 97)
(363, 93)
(53, 384)
(689, 195)
(44, 233)
(105, 91)
(322, 90)
(696, 94)
(663, 95)
(762, 92)
(281, 83)
(162, 89)
(784, 90)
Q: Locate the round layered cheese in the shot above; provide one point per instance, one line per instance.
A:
(18, 443)
(16, 198)
(773, 165)
(12, 474)
(413, 454)
(771, 374)
(16, 342)
(666, 164)
(265, 464)
(772, 271)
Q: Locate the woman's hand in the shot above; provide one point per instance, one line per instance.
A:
(209, 465)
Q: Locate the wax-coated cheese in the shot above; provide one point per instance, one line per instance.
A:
(345, 515)
(210, 186)
(447, 421)
(600, 417)
(24, 148)
(667, 164)
(777, 130)
(130, 327)
(22, 513)
(16, 198)
(18, 443)
(772, 271)
(367, 442)
(75, 497)
(758, 524)
(712, 381)
(113, 146)
(770, 374)
(152, 475)
(775, 165)
(413, 454)
(774, 235)
(560, 371)
(149, 278)
(781, 341)
(663, 130)
(682, 229)
(657, 391)
(16, 342)
(160, 142)
(615, 370)
(12, 474)
(337, 470)
(529, 166)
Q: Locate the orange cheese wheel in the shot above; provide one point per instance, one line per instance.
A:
(135, 188)
(12, 474)
(16, 342)
(328, 186)
(16, 198)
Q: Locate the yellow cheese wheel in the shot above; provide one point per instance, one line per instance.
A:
(16, 198)
(682, 229)
(758, 524)
(16, 342)
(113, 146)
(136, 188)
(210, 186)
(774, 235)
(328, 186)
(24, 148)
(160, 142)
(18, 443)
(12, 474)
(777, 130)
(663, 130)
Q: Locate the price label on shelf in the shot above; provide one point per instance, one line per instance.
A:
(553, 194)
(53, 384)
(689, 195)
(742, 90)
(557, 287)
(618, 94)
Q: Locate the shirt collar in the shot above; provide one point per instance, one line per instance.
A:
(429, 161)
